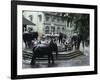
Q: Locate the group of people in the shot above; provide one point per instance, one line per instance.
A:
(70, 42)
(31, 39)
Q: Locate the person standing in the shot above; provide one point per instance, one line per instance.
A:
(60, 37)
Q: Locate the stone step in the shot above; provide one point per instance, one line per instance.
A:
(70, 55)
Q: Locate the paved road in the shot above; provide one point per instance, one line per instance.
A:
(78, 61)
(82, 60)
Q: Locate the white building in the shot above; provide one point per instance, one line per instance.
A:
(48, 23)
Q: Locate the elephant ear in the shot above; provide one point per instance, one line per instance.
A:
(33, 48)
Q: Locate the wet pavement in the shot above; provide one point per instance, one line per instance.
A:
(81, 60)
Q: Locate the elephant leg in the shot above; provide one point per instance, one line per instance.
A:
(33, 60)
(56, 54)
(25, 44)
(52, 58)
(48, 59)
(29, 44)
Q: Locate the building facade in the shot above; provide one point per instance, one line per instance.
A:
(48, 23)
(54, 24)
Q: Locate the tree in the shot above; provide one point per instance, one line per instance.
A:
(81, 24)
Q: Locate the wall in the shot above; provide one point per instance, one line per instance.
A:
(35, 19)
(5, 41)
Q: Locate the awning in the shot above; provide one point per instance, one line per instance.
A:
(27, 22)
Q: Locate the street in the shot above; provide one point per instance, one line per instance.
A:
(63, 60)
(78, 61)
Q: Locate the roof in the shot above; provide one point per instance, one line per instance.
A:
(27, 22)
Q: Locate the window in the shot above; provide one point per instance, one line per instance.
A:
(58, 19)
(47, 30)
(63, 28)
(63, 20)
(53, 29)
(58, 30)
(40, 17)
(53, 19)
(47, 18)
